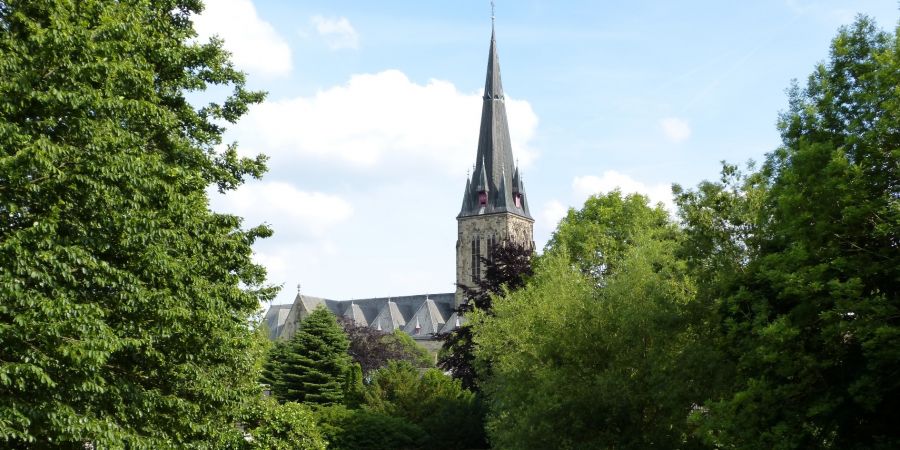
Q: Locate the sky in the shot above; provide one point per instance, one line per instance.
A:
(371, 120)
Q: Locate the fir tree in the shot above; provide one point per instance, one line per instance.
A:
(315, 363)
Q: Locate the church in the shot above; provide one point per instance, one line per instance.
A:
(494, 209)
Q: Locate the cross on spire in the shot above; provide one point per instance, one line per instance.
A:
(492, 13)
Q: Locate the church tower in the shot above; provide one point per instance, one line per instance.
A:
(494, 206)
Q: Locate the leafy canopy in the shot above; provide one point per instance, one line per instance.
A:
(581, 364)
(810, 321)
(126, 301)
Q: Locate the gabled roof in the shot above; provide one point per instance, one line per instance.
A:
(453, 322)
(275, 319)
(427, 320)
(355, 313)
(389, 318)
(494, 163)
(392, 313)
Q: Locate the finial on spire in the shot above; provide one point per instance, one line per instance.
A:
(492, 14)
(298, 288)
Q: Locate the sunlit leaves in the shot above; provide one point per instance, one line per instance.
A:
(123, 316)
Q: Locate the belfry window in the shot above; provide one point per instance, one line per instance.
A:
(476, 259)
(491, 244)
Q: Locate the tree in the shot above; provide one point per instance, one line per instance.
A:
(353, 429)
(372, 349)
(811, 321)
(270, 425)
(315, 365)
(581, 364)
(600, 232)
(449, 414)
(271, 373)
(508, 269)
(127, 304)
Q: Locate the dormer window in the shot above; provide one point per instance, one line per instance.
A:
(518, 198)
(482, 198)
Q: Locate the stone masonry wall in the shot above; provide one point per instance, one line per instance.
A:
(500, 226)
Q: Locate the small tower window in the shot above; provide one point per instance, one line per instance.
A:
(482, 198)
(518, 200)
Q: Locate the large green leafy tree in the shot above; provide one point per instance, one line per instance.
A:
(126, 302)
(597, 357)
(315, 365)
(811, 317)
(450, 414)
(596, 235)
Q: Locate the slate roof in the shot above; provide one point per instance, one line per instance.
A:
(389, 313)
(495, 172)
(427, 320)
(275, 318)
(389, 318)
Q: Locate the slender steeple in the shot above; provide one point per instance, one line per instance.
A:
(494, 163)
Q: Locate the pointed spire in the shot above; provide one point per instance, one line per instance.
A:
(467, 195)
(518, 186)
(482, 178)
(501, 191)
(493, 86)
(494, 163)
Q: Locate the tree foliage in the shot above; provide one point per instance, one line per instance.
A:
(362, 429)
(126, 301)
(315, 365)
(581, 364)
(449, 414)
(508, 268)
(373, 349)
(811, 320)
(596, 235)
(290, 426)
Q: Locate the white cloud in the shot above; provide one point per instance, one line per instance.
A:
(337, 32)
(552, 212)
(585, 186)
(254, 44)
(287, 209)
(380, 118)
(675, 129)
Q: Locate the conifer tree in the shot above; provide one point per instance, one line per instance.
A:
(315, 365)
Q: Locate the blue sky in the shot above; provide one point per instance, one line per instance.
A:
(373, 109)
